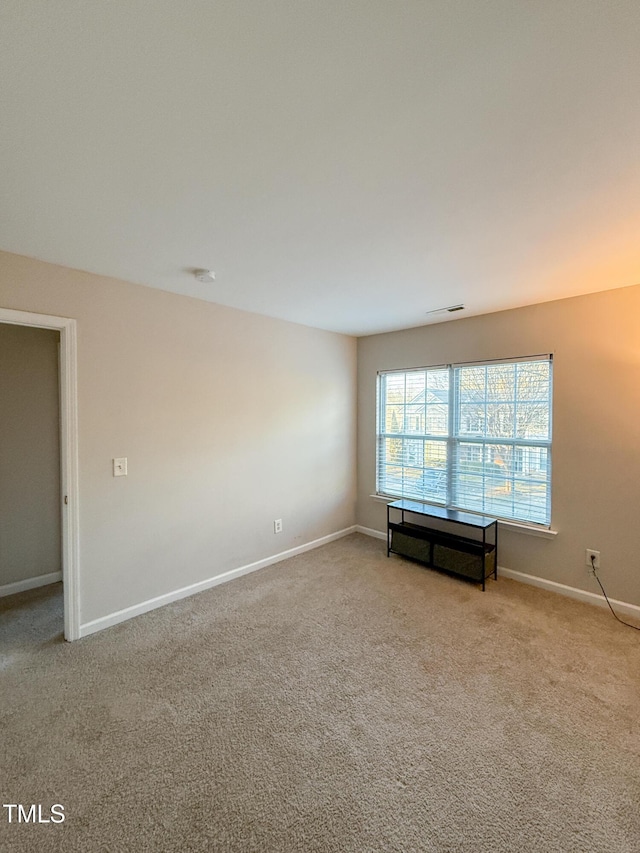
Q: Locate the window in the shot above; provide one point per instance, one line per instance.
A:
(470, 436)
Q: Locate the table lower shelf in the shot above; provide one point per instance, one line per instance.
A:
(456, 554)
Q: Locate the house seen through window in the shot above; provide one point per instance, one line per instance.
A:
(475, 437)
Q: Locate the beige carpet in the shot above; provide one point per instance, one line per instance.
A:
(339, 701)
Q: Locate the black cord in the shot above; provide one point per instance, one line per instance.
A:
(628, 624)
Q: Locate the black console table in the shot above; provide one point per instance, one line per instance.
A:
(472, 558)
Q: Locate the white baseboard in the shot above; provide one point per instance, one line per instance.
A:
(30, 583)
(153, 603)
(369, 531)
(621, 607)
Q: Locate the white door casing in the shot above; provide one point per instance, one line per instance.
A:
(69, 497)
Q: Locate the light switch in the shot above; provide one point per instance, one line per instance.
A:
(120, 467)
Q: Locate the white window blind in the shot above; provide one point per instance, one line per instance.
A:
(469, 436)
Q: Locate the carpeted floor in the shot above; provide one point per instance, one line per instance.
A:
(339, 701)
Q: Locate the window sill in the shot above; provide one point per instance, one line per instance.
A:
(515, 526)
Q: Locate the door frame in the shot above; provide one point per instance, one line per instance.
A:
(69, 497)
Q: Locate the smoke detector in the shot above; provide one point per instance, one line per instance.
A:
(206, 276)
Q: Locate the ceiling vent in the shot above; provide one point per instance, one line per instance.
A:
(448, 310)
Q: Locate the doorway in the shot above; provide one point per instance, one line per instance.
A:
(68, 479)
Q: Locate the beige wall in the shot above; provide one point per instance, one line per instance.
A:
(229, 420)
(29, 454)
(596, 433)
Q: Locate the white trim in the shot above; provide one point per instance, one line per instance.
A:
(369, 531)
(160, 600)
(515, 526)
(529, 530)
(29, 583)
(68, 455)
(621, 607)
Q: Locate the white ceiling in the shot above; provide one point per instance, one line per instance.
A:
(347, 164)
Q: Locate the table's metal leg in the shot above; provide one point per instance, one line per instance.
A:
(496, 552)
(388, 532)
(484, 557)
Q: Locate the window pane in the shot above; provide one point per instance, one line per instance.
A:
(437, 419)
(412, 453)
(532, 420)
(414, 419)
(505, 480)
(392, 451)
(470, 458)
(471, 419)
(414, 468)
(435, 454)
(470, 492)
(532, 462)
(501, 382)
(471, 383)
(438, 383)
(530, 500)
(415, 387)
(412, 483)
(434, 474)
(394, 385)
(391, 480)
(500, 420)
(394, 419)
(533, 380)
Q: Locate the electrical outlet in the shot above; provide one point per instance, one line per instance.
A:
(277, 525)
(592, 564)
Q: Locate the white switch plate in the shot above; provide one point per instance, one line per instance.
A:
(120, 467)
